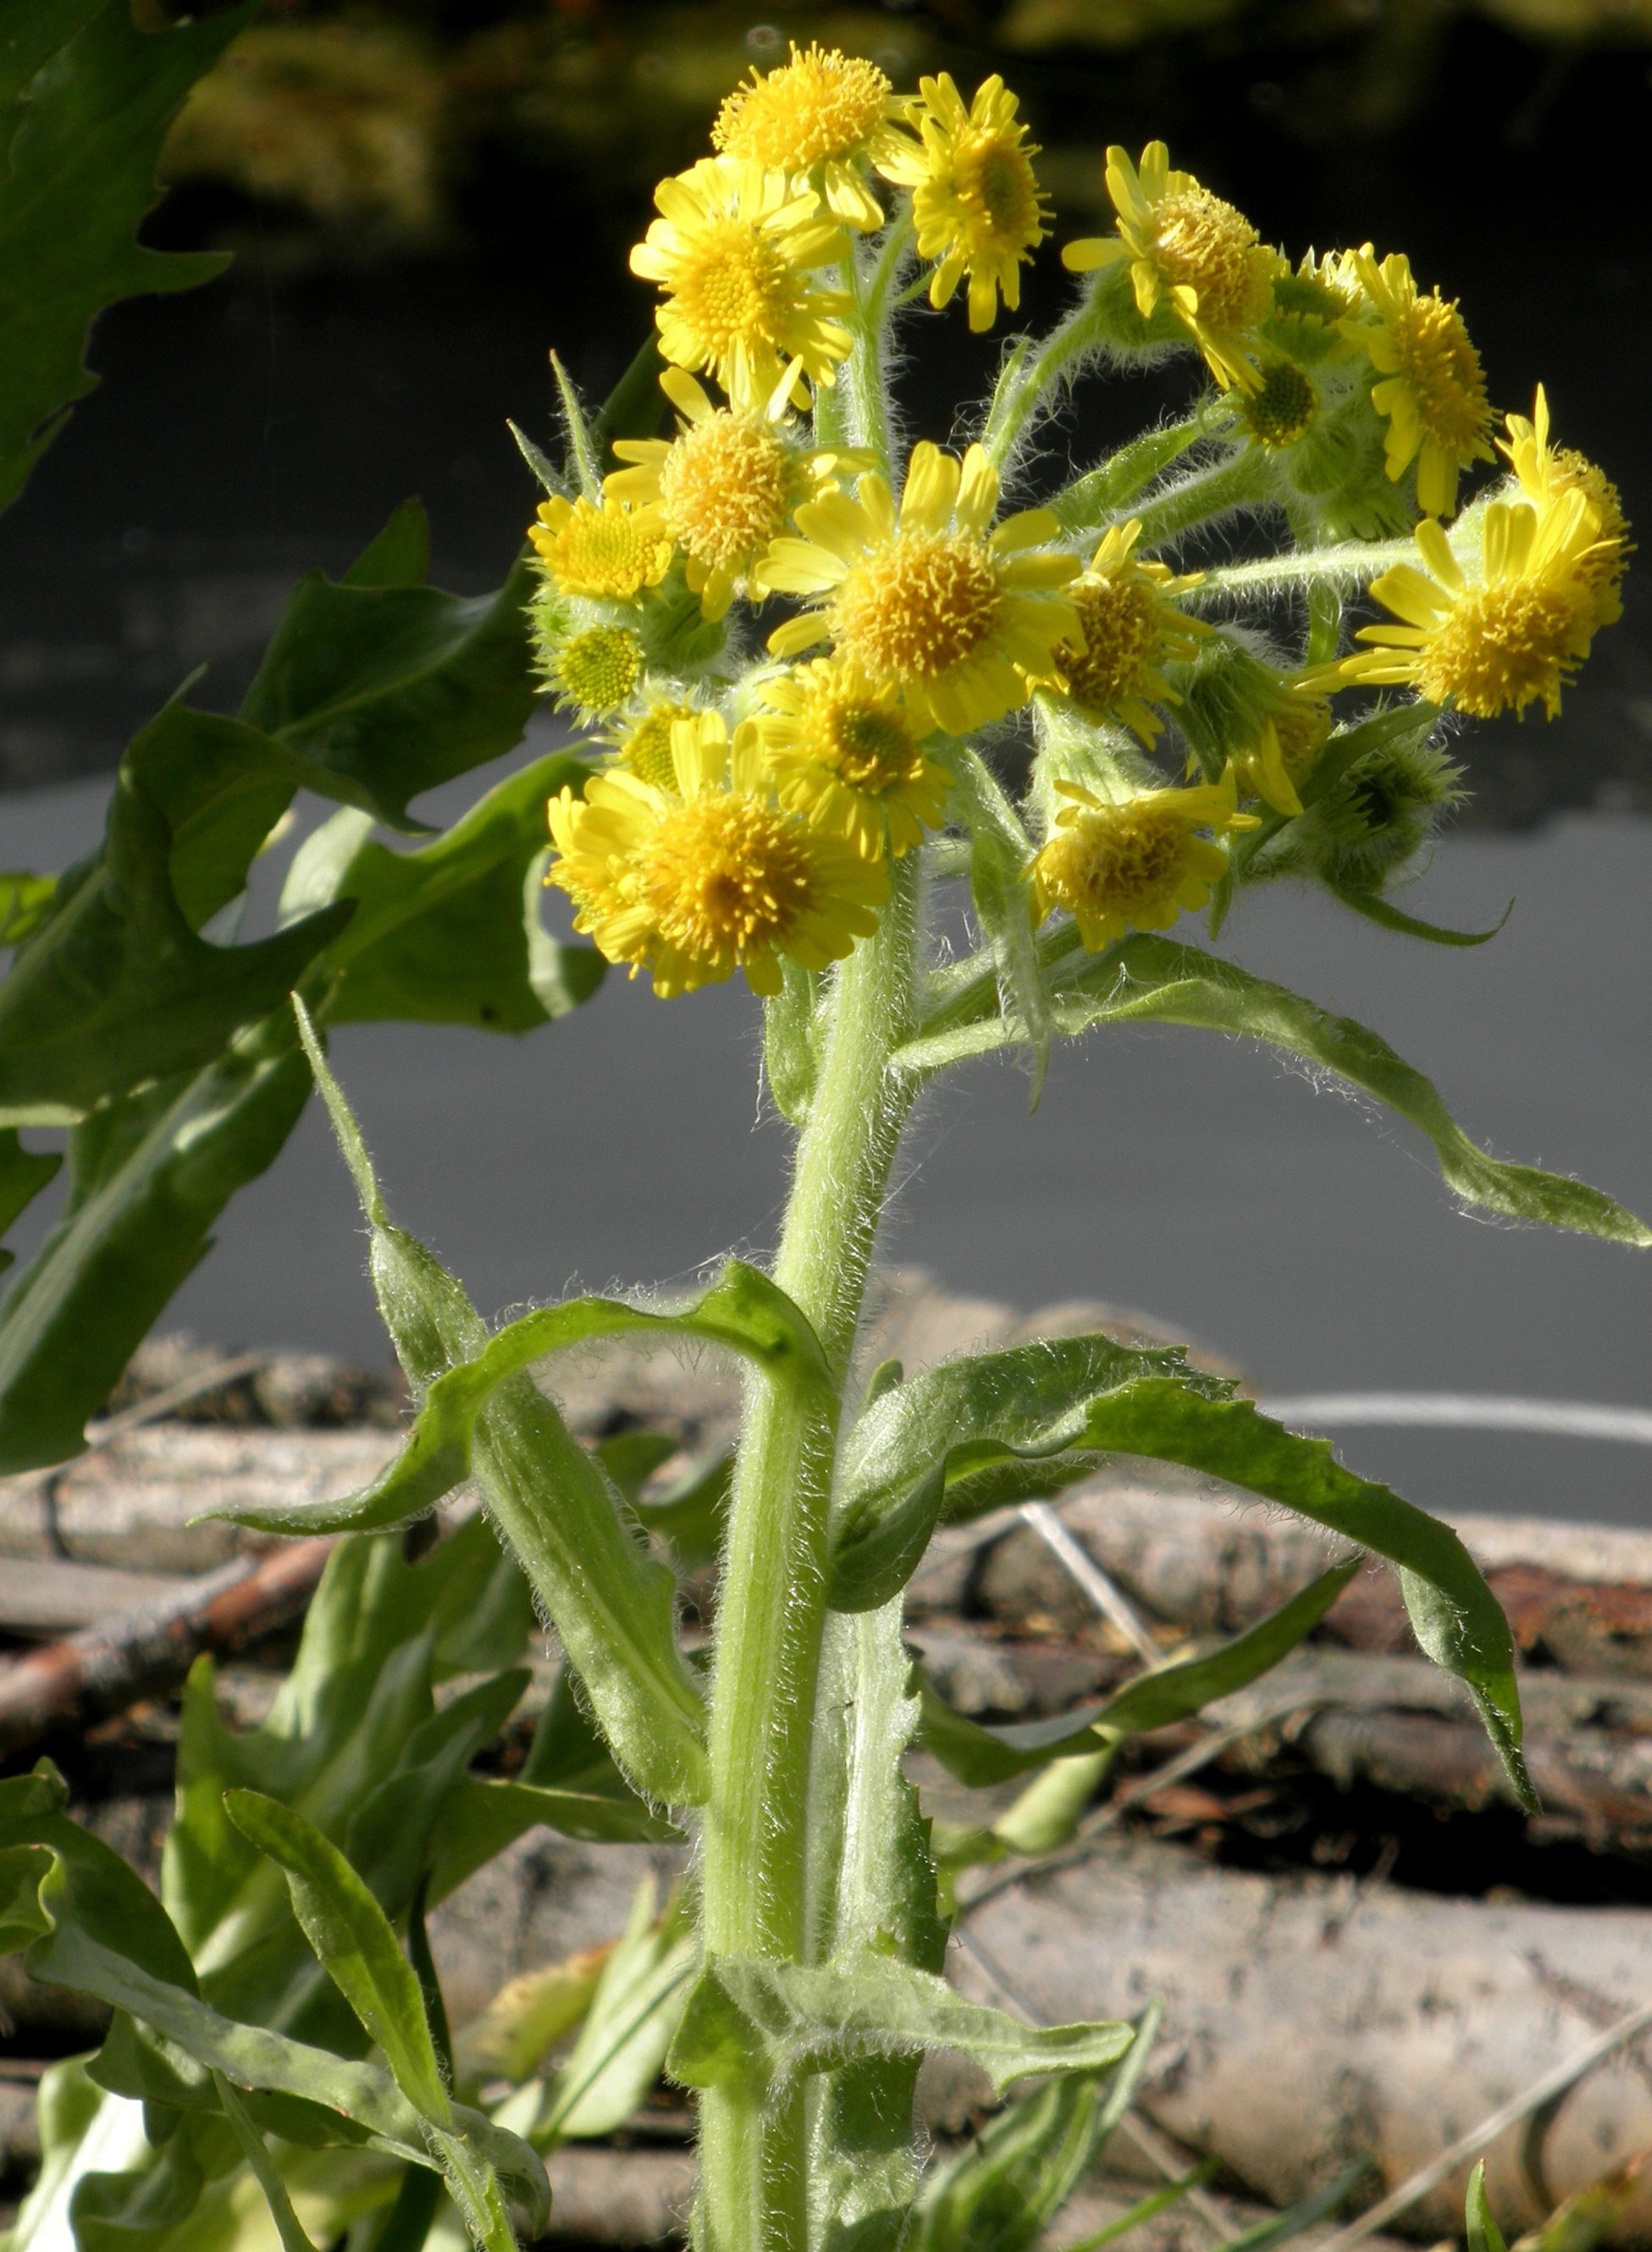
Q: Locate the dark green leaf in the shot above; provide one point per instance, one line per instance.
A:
(23, 1174)
(450, 934)
(394, 689)
(694, 1515)
(267, 2174)
(635, 407)
(979, 1756)
(397, 556)
(116, 990)
(221, 787)
(88, 99)
(1281, 2227)
(1154, 979)
(149, 1178)
(758, 2023)
(1376, 909)
(353, 1943)
(790, 1055)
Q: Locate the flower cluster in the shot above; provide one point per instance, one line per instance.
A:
(759, 779)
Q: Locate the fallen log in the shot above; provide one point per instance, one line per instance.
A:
(1309, 2020)
(107, 1667)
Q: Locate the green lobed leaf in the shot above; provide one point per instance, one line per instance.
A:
(923, 1441)
(1157, 1699)
(614, 1608)
(391, 690)
(87, 98)
(267, 2174)
(25, 901)
(397, 556)
(1087, 1394)
(149, 1178)
(115, 989)
(759, 2023)
(353, 1943)
(1156, 980)
(743, 1310)
(1003, 2191)
(450, 934)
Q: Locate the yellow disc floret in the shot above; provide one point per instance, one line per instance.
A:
(610, 551)
(1284, 405)
(644, 748)
(1133, 863)
(1189, 248)
(595, 670)
(736, 249)
(1510, 635)
(1432, 391)
(822, 114)
(1128, 628)
(724, 487)
(926, 599)
(1545, 474)
(976, 205)
(844, 753)
(694, 882)
(1291, 734)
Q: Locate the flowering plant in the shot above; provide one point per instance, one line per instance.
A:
(788, 792)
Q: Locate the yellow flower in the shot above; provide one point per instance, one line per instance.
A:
(821, 116)
(1511, 636)
(723, 488)
(711, 876)
(1189, 248)
(1287, 748)
(1133, 863)
(927, 600)
(736, 248)
(644, 747)
(593, 671)
(976, 201)
(1545, 474)
(1284, 406)
(1129, 626)
(1432, 392)
(843, 754)
(611, 552)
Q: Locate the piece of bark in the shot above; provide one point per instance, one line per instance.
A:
(1317, 2018)
(106, 1668)
(47, 1595)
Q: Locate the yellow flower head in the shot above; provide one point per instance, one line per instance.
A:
(723, 488)
(1284, 406)
(1287, 748)
(610, 552)
(736, 249)
(1511, 635)
(1189, 248)
(644, 747)
(976, 201)
(1311, 304)
(593, 671)
(1133, 863)
(695, 882)
(1546, 474)
(1129, 627)
(926, 599)
(820, 116)
(1433, 392)
(843, 754)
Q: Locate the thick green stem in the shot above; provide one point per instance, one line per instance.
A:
(1240, 481)
(1028, 379)
(754, 1860)
(1351, 563)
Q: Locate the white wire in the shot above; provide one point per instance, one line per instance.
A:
(1467, 1411)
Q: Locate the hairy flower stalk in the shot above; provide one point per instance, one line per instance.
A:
(782, 801)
